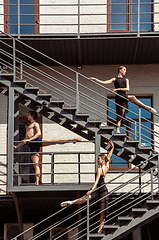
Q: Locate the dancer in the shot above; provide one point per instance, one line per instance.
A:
(121, 87)
(33, 133)
(104, 162)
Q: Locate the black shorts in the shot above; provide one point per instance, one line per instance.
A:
(35, 147)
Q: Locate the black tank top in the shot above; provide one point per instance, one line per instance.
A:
(120, 83)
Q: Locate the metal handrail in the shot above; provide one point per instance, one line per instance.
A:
(78, 14)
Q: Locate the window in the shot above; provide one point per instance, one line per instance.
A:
(118, 162)
(123, 15)
(29, 16)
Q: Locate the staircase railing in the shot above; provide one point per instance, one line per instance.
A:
(74, 88)
(80, 18)
(88, 223)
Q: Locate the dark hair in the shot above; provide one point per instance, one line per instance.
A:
(33, 114)
(121, 67)
(104, 157)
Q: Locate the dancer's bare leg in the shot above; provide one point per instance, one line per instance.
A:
(47, 142)
(76, 201)
(35, 159)
(119, 122)
(133, 99)
(101, 223)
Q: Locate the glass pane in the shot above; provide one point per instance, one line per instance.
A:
(26, 21)
(117, 161)
(118, 21)
(145, 17)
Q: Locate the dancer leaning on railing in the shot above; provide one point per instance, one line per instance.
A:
(121, 87)
(104, 161)
(32, 138)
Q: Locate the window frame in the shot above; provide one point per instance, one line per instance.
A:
(128, 18)
(7, 21)
(129, 165)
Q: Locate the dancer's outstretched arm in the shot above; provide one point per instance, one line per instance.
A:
(102, 82)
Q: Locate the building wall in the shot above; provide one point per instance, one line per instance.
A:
(3, 144)
(1, 16)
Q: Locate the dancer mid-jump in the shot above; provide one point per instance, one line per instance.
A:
(33, 133)
(121, 87)
(102, 191)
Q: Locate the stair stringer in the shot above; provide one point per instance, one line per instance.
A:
(134, 224)
(58, 112)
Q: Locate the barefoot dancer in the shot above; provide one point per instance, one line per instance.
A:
(33, 133)
(121, 87)
(104, 162)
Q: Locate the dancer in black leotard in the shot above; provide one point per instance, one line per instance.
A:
(104, 162)
(121, 87)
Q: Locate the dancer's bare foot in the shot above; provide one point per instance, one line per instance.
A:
(66, 204)
(77, 140)
(150, 109)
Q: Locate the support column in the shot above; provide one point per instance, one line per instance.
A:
(19, 214)
(97, 148)
(10, 137)
(136, 234)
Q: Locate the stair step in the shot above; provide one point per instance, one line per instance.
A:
(95, 123)
(21, 83)
(83, 116)
(122, 220)
(8, 76)
(70, 109)
(120, 136)
(58, 103)
(110, 228)
(145, 149)
(33, 90)
(138, 211)
(133, 143)
(149, 165)
(45, 96)
(96, 236)
(108, 129)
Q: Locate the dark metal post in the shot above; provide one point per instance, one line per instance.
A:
(152, 184)
(97, 149)
(138, 19)
(21, 70)
(14, 63)
(18, 18)
(77, 94)
(139, 127)
(52, 169)
(79, 169)
(140, 179)
(87, 217)
(78, 19)
(10, 137)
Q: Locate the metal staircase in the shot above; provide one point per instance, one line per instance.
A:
(73, 108)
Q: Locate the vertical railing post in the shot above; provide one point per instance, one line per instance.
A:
(78, 35)
(79, 169)
(18, 18)
(14, 62)
(97, 148)
(139, 127)
(10, 137)
(21, 70)
(140, 179)
(77, 94)
(158, 171)
(52, 169)
(152, 184)
(138, 18)
(87, 217)
(135, 132)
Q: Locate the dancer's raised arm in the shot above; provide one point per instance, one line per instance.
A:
(102, 82)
